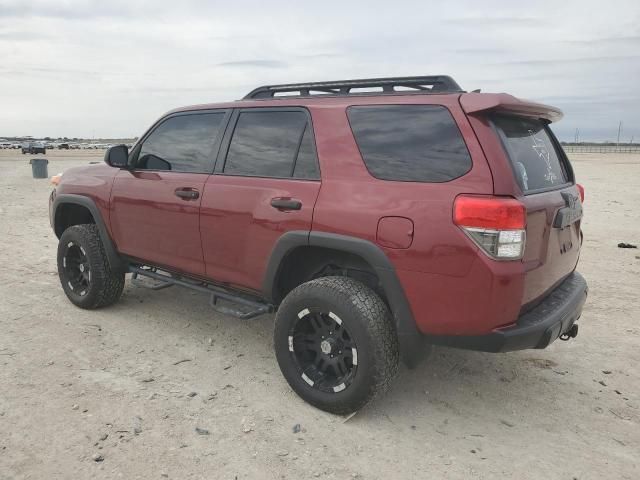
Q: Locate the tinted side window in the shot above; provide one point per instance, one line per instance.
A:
(411, 143)
(306, 163)
(265, 144)
(182, 144)
(532, 153)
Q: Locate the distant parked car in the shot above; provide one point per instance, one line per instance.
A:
(33, 147)
(63, 146)
(5, 145)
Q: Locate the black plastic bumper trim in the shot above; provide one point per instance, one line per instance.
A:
(537, 328)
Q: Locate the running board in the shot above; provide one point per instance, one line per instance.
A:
(248, 308)
(135, 280)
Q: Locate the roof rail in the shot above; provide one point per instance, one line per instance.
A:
(426, 84)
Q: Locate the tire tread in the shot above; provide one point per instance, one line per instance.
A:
(379, 327)
(108, 283)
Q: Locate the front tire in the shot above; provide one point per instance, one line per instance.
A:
(84, 270)
(335, 343)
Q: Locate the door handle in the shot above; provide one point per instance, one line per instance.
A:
(187, 194)
(286, 203)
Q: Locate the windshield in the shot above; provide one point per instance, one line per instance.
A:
(532, 152)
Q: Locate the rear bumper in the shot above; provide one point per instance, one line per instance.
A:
(537, 328)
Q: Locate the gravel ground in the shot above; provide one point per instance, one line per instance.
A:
(159, 386)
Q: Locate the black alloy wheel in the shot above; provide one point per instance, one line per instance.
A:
(323, 350)
(84, 270)
(77, 269)
(335, 343)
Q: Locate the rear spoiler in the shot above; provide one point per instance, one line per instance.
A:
(503, 102)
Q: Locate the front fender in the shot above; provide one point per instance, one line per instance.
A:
(116, 262)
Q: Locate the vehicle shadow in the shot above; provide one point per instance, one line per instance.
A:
(478, 389)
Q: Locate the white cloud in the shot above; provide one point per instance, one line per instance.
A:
(84, 68)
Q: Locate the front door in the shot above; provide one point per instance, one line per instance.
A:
(155, 205)
(265, 185)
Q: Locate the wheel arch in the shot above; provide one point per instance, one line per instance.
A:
(70, 209)
(359, 253)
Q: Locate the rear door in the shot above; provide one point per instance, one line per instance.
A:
(155, 206)
(266, 183)
(554, 210)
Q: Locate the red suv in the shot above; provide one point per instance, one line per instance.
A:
(376, 217)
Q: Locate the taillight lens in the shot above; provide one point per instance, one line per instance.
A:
(581, 190)
(495, 224)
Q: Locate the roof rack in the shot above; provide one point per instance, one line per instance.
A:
(427, 84)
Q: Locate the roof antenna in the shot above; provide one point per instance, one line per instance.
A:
(475, 91)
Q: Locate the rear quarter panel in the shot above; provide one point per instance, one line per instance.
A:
(448, 285)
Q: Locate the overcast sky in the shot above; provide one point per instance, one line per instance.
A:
(109, 68)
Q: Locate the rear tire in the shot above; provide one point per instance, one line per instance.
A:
(335, 343)
(84, 270)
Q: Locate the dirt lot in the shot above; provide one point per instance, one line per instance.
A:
(74, 384)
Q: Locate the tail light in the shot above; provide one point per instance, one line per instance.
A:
(495, 224)
(581, 190)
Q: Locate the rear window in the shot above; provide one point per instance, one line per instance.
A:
(272, 144)
(410, 143)
(532, 152)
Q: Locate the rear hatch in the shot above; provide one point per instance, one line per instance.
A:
(554, 208)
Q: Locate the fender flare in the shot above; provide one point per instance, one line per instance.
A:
(116, 262)
(411, 341)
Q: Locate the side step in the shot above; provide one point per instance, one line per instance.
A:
(135, 280)
(245, 309)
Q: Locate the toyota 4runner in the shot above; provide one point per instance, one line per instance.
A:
(376, 217)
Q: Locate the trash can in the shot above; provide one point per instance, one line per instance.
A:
(39, 167)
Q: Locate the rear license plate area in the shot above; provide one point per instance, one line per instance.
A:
(570, 213)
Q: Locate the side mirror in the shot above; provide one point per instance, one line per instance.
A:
(117, 156)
